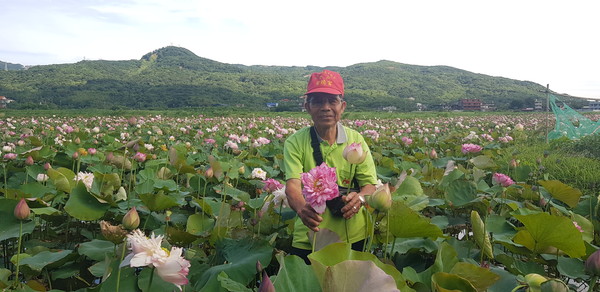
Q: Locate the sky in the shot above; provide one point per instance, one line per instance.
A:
(549, 42)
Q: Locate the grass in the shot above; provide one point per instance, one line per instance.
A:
(574, 163)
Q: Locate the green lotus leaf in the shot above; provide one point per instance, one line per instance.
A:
(461, 192)
(544, 230)
(562, 192)
(419, 226)
(159, 201)
(83, 206)
(446, 282)
(294, 275)
(179, 237)
(45, 211)
(240, 257)
(97, 249)
(63, 179)
(231, 285)
(483, 162)
(42, 259)
(157, 285)
(198, 224)
(480, 278)
(36, 190)
(334, 263)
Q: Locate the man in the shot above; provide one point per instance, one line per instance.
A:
(324, 102)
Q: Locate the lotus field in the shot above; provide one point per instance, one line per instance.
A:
(156, 203)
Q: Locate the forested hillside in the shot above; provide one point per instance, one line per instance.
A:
(174, 77)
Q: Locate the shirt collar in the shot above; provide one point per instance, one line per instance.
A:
(341, 135)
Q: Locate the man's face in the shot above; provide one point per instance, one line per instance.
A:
(325, 109)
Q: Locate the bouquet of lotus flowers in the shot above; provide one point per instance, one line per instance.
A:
(320, 185)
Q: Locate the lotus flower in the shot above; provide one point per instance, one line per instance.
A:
(320, 185)
(354, 153)
(259, 173)
(502, 179)
(174, 268)
(170, 266)
(471, 148)
(272, 185)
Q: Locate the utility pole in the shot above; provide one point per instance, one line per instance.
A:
(547, 109)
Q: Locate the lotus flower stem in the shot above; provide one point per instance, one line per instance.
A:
(19, 252)
(151, 277)
(119, 272)
(592, 284)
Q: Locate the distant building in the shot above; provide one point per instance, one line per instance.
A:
(488, 107)
(594, 105)
(4, 101)
(470, 104)
(538, 105)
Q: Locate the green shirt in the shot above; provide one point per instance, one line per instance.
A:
(298, 158)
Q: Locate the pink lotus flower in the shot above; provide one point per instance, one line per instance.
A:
(320, 185)
(406, 141)
(174, 268)
(471, 148)
(354, 153)
(577, 226)
(140, 157)
(502, 179)
(92, 151)
(10, 156)
(272, 185)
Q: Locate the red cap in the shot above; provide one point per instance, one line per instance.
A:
(326, 82)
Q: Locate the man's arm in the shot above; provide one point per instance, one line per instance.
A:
(308, 215)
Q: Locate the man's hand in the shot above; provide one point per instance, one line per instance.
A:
(352, 206)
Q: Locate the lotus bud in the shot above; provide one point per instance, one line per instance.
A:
(592, 264)
(381, 199)
(242, 170)
(354, 153)
(266, 285)
(114, 234)
(209, 173)
(29, 160)
(433, 154)
(513, 163)
(535, 280)
(92, 151)
(163, 173)
(75, 155)
(77, 140)
(22, 211)
(555, 285)
(131, 220)
(47, 166)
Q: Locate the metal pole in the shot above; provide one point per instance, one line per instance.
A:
(547, 110)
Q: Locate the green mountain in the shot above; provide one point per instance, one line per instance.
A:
(174, 77)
